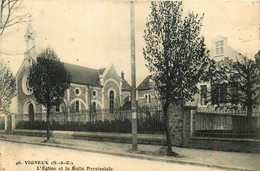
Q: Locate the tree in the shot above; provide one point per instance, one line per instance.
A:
(7, 87)
(8, 17)
(242, 79)
(7, 14)
(49, 79)
(176, 55)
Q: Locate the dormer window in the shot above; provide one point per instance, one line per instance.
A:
(219, 48)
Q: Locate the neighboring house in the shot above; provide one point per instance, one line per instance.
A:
(215, 94)
(211, 95)
(146, 93)
(89, 88)
(221, 51)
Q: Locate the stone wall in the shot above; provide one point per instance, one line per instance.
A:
(182, 126)
(224, 144)
(176, 124)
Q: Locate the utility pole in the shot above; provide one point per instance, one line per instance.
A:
(0, 31)
(1, 15)
(133, 78)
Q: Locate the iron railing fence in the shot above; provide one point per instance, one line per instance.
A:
(226, 125)
(149, 120)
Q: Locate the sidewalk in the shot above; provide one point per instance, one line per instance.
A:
(206, 158)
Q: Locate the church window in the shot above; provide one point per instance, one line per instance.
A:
(94, 107)
(57, 108)
(26, 85)
(111, 101)
(77, 106)
(78, 91)
(94, 93)
(148, 98)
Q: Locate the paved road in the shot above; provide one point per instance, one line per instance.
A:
(23, 157)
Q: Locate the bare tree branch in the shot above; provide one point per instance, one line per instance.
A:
(8, 8)
(15, 23)
(12, 54)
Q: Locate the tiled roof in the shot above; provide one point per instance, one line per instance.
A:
(125, 85)
(83, 75)
(101, 71)
(126, 106)
(145, 84)
(89, 76)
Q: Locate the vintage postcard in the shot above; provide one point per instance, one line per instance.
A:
(129, 85)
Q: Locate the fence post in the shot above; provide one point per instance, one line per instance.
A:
(192, 112)
(183, 127)
(13, 122)
(8, 124)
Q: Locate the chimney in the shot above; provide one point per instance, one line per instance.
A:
(122, 75)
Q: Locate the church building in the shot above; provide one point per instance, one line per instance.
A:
(90, 88)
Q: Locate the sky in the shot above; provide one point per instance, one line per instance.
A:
(96, 34)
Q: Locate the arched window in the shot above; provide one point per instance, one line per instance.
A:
(148, 99)
(77, 106)
(111, 101)
(57, 108)
(31, 112)
(94, 107)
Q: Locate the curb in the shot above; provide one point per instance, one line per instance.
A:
(131, 155)
(97, 136)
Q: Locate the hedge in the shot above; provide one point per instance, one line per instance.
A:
(145, 126)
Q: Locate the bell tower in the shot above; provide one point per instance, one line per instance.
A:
(30, 35)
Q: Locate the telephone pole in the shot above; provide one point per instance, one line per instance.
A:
(133, 78)
(1, 30)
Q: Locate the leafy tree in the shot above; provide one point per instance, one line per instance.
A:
(49, 79)
(242, 80)
(7, 87)
(176, 55)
